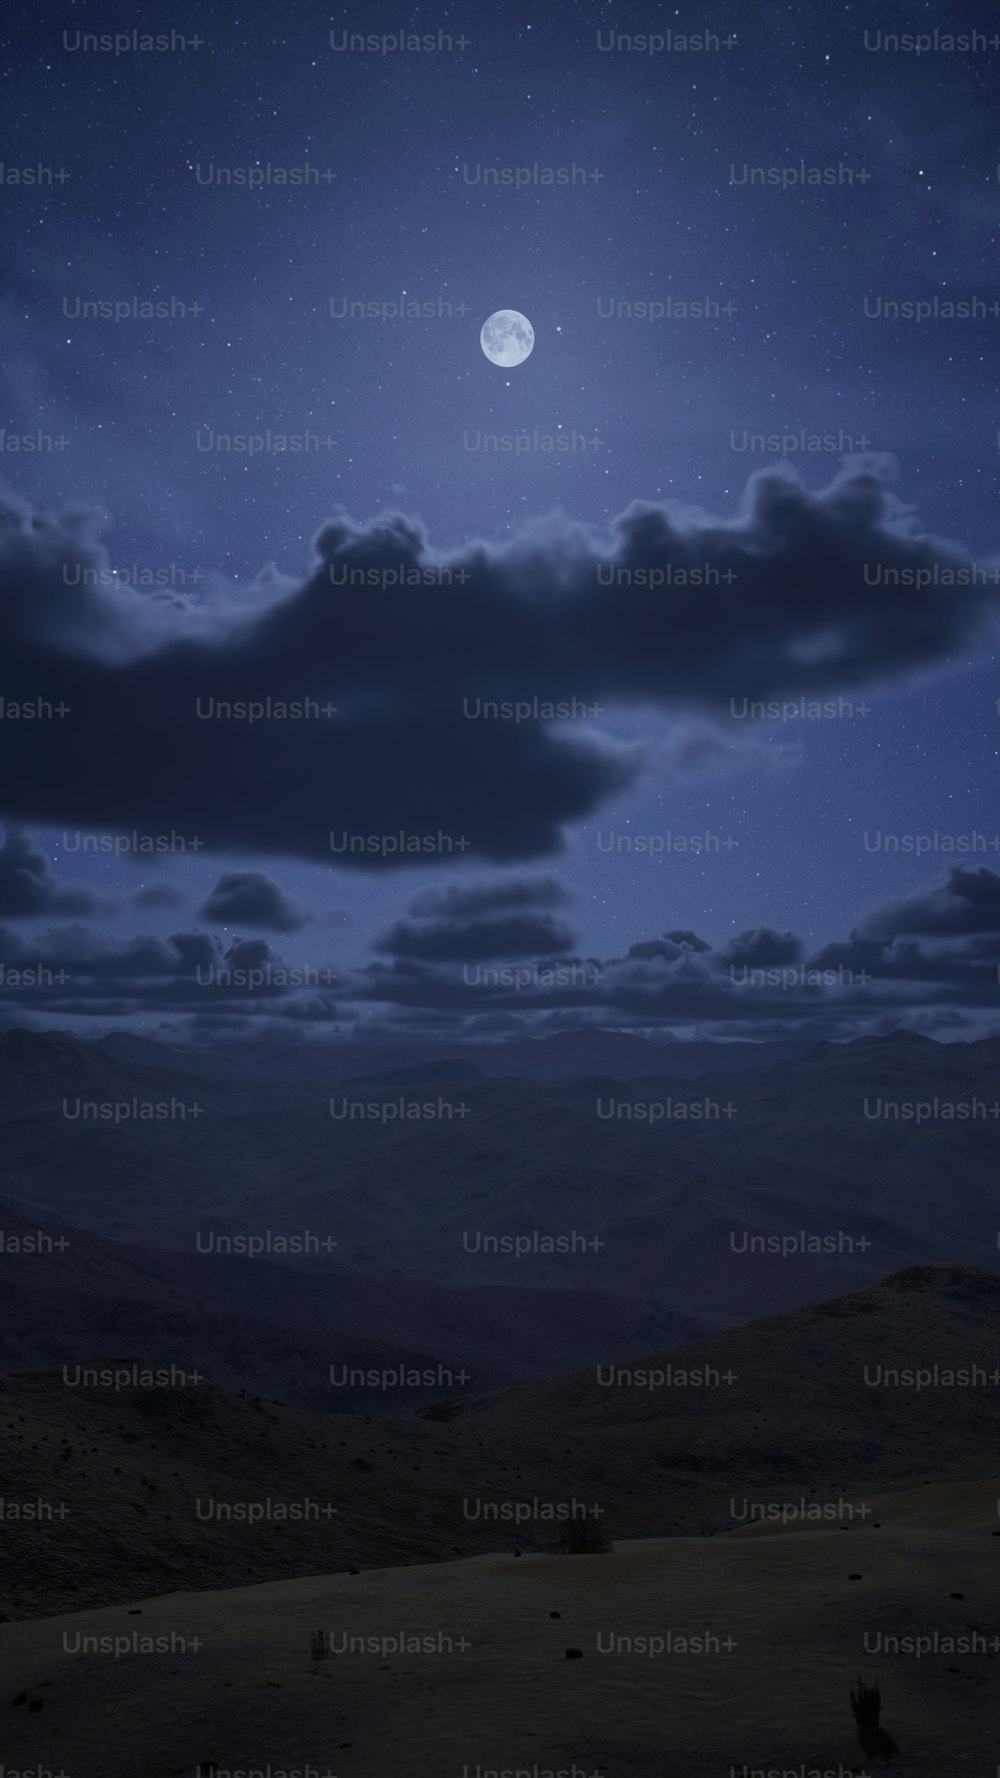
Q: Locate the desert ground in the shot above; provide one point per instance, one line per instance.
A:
(769, 1626)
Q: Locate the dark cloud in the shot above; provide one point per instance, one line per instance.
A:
(412, 750)
(761, 948)
(468, 922)
(454, 983)
(248, 898)
(520, 935)
(966, 900)
(28, 887)
(77, 977)
(469, 900)
(670, 946)
(759, 983)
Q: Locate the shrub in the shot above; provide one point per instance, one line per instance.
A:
(585, 1537)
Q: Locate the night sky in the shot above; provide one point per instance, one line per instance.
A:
(765, 839)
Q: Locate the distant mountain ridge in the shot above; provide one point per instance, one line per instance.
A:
(421, 1074)
(558, 1056)
(277, 1328)
(657, 1195)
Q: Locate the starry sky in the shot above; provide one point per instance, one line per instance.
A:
(706, 241)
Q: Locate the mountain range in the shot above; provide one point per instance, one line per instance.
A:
(660, 1204)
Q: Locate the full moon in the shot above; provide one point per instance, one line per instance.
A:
(507, 337)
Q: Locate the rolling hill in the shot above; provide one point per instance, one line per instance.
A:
(797, 1421)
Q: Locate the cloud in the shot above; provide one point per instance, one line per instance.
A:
(77, 978)
(28, 887)
(248, 898)
(965, 900)
(158, 895)
(757, 984)
(468, 922)
(671, 946)
(761, 949)
(467, 900)
(276, 720)
(520, 935)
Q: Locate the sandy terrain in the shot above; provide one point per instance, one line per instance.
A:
(790, 1608)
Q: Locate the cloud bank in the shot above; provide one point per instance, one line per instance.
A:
(331, 720)
(929, 963)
